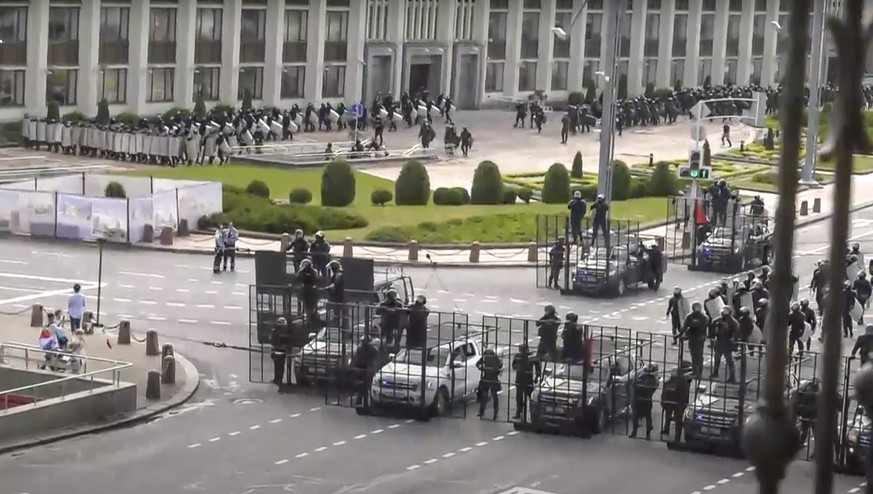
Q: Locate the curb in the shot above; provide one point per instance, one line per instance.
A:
(136, 417)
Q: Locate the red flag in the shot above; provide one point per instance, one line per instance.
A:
(699, 214)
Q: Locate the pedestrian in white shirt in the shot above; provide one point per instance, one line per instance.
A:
(231, 235)
(76, 307)
(219, 249)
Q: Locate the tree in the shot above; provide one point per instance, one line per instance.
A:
(103, 116)
(487, 184)
(622, 87)
(621, 181)
(53, 111)
(258, 188)
(247, 99)
(299, 196)
(200, 105)
(707, 154)
(650, 89)
(337, 184)
(663, 182)
(590, 90)
(576, 98)
(576, 171)
(115, 190)
(707, 82)
(677, 86)
(556, 185)
(412, 187)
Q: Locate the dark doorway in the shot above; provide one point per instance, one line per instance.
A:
(419, 76)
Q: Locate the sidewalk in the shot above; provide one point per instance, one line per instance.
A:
(16, 329)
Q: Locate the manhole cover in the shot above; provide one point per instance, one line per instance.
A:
(247, 401)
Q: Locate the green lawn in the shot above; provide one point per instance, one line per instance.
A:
(764, 184)
(862, 164)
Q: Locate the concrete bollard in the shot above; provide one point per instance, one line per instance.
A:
(184, 230)
(816, 205)
(166, 236)
(413, 250)
(532, 252)
(152, 346)
(88, 322)
(166, 350)
(123, 333)
(348, 247)
(284, 242)
(475, 249)
(37, 316)
(153, 385)
(651, 159)
(148, 234)
(168, 370)
(804, 208)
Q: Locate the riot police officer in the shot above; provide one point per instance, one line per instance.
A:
(759, 292)
(761, 317)
(796, 327)
(577, 208)
(694, 330)
(864, 345)
(599, 209)
(548, 324)
(556, 262)
(319, 252)
(713, 295)
(416, 330)
(299, 247)
(817, 285)
(674, 400)
(365, 363)
(644, 386)
(490, 367)
(389, 312)
(809, 316)
(307, 277)
(803, 403)
(863, 289)
(574, 345)
(336, 291)
(848, 323)
(280, 339)
(747, 327)
(674, 312)
(527, 373)
(725, 331)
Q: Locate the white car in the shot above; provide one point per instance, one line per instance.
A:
(430, 380)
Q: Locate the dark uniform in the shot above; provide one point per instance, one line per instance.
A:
(556, 262)
(280, 341)
(796, 327)
(864, 345)
(336, 293)
(527, 373)
(803, 403)
(319, 252)
(644, 387)
(694, 330)
(390, 312)
(674, 401)
(577, 208)
(848, 323)
(725, 331)
(416, 331)
(548, 332)
(674, 312)
(365, 362)
(574, 340)
(809, 315)
(490, 366)
(299, 247)
(307, 278)
(600, 208)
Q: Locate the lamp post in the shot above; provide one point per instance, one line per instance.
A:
(807, 176)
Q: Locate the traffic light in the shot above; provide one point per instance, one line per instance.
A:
(695, 169)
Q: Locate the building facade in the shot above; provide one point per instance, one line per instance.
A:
(146, 56)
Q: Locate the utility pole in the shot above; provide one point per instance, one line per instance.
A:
(614, 11)
(807, 175)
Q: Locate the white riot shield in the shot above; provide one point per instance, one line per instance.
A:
(451, 109)
(395, 118)
(852, 271)
(138, 143)
(807, 332)
(857, 311)
(41, 132)
(434, 112)
(276, 129)
(861, 260)
(212, 128)
(684, 308)
(232, 141)
(179, 146)
(292, 127)
(747, 301)
(731, 291)
(757, 336)
(32, 133)
(298, 119)
(422, 111)
(25, 128)
(247, 138)
(313, 118)
(383, 113)
(333, 116)
(66, 136)
(117, 142)
(148, 144)
(192, 147)
(224, 148)
(714, 307)
(209, 147)
(54, 133)
(795, 291)
(263, 127)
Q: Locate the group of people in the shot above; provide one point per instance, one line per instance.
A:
(857, 288)
(63, 352)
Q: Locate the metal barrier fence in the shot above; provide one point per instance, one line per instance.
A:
(33, 357)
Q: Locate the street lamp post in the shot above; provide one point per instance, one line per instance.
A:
(807, 176)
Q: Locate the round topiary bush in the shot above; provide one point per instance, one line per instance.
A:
(576, 171)
(487, 184)
(456, 196)
(663, 182)
(525, 194)
(621, 181)
(115, 190)
(337, 184)
(300, 196)
(556, 185)
(439, 196)
(462, 193)
(381, 197)
(258, 188)
(412, 187)
(510, 196)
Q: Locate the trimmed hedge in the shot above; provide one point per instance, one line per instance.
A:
(663, 182)
(556, 185)
(412, 187)
(381, 197)
(576, 170)
(621, 181)
(300, 196)
(455, 196)
(115, 190)
(337, 184)
(487, 184)
(258, 188)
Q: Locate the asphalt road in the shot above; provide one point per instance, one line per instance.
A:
(239, 437)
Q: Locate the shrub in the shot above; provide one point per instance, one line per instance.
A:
(576, 171)
(769, 140)
(381, 197)
(650, 89)
(127, 118)
(576, 98)
(299, 196)
(176, 111)
(707, 82)
(103, 112)
(525, 194)
(707, 154)
(621, 91)
(444, 196)
(463, 193)
(621, 181)
(510, 196)
(638, 189)
(337, 184)
(247, 99)
(663, 92)
(590, 90)
(200, 105)
(556, 185)
(223, 109)
(663, 182)
(487, 184)
(115, 190)
(677, 86)
(388, 234)
(412, 187)
(258, 188)
(53, 111)
(74, 116)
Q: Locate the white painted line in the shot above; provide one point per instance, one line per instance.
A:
(215, 439)
(294, 416)
(148, 302)
(738, 475)
(464, 450)
(516, 301)
(281, 462)
(275, 421)
(696, 492)
(360, 436)
(195, 445)
(709, 487)
(864, 484)
(123, 300)
(122, 285)
(145, 275)
(50, 279)
(183, 290)
(35, 296)
(315, 409)
(339, 443)
(211, 292)
(853, 491)
(215, 282)
(188, 321)
(155, 288)
(255, 427)
(448, 455)
(431, 461)
(234, 433)
(241, 285)
(498, 438)
(19, 289)
(413, 467)
(483, 443)
(126, 316)
(233, 307)
(409, 421)
(512, 433)
(723, 481)
(302, 455)
(157, 318)
(183, 266)
(193, 280)
(377, 431)
(393, 426)
(205, 306)
(220, 323)
(319, 450)
(750, 469)
(239, 294)
(9, 261)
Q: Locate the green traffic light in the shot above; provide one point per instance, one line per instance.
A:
(693, 173)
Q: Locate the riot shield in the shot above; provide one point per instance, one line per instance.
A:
(714, 306)
(857, 311)
(684, 309)
(852, 271)
(746, 300)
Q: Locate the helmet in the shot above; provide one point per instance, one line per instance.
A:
(392, 293)
(763, 302)
(420, 300)
(804, 302)
(572, 317)
(725, 310)
(549, 309)
(577, 194)
(856, 246)
(601, 197)
(795, 306)
(862, 274)
(651, 368)
(696, 307)
(335, 265)
(298, 232)
(319, 234)
(722, 183)
(677, 291)
(744, 310)
(847, 284)
(713, 292)
(281, 321)
(489, 351)
(306, 263)
(765, 269)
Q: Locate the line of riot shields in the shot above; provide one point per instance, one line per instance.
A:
(726, 237)
(589, 257)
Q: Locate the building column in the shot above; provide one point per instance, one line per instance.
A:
(577, 33)
(90, 71)
(692, 48)
(771, 35)
(315, 50)
(275, 39)
(665, 44)
(37, 57)
(230, 46)
(744, 60)
(546, 45)
(396, 36)
(637, 44)
(186, 27)
(719, 47)
(513, 48)
(446, 16)
(137, 79)
(354, 90)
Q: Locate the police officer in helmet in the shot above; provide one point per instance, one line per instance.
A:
(280, 341)
(416, 331)
(390, 312)
(490, 367)
(644, 386)
(365, 364)
(694, 330)
(548, 324)
(574, 346)
(864, 345)
(527, 373)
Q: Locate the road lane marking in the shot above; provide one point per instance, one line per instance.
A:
(302, 455)
(232, 434)
(10, 261)
(211, 292)
(183, 290)
(295, 415)
(360, 436)
(143, 275)
(188, 321)
(175, 304)
(215, 439)
(738, 475)
(393, 426)
(205, 306)
(123, 285)
(413, 467)
(339, 443)
(448, 455)
(148, 302)
(282, 462)
(315, 409)
(319, 450)
(155, 288)
(275, 421)
(233, 307)
(464, 450)
(122, 300)
(220, 323)
(255, 427)
(157, 318)
(431, 461)
(195, 445)
(483, 443)
(377, 431)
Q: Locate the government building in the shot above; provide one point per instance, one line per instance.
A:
(146, 56)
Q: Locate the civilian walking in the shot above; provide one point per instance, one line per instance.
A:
(76, 307)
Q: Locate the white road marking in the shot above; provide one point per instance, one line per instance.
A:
(255, 427)
(377, 431)
(393, 426)
(413, 467)
(483, 443)
(195, 445)
(281, 462)
(145, 275)
(498, 438)
(215, 282)
(211, 292)
(448, 455)
(315, 409)
(275, 421)
(431, 461)
(709, 487)
(123, 300)
(148, 302)
(205, 306)
(126, 316)
(464, 450)
(302, 455)
(10, 261)
(723, 481)
(157, 318)
(193, 280)
(294, 416)
(215, 439)
(220, 323)
(738, 475)
(175, 304)
(360, 436)
(234, 433)
(339, 443)
(122, 285)
(188, 321)
(319, 450)
(155, 288)
(239, 294)
(233, 307)
(517, 301)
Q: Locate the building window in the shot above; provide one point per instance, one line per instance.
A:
(494, 77)
(334, 85)
(336, 39)
(561, 47)
(559, 75)
(758, 33)
(707, 34)
(161, 84)
(497, 36)
(589, 72)
(251, 38)
(296, 35)
(11, 88)
(593, 35)
(527, 76)
(162, 35)
(780, 38)
(626, 34)
(761, 5)
(682, 4)
(63, 36)
(730, 71)
(530, 35)
(207, 82)
(677, 72)
(114, 22)
(113, 86)
(757, 68)
(704, 73)
(733, 35)
(293, 82)
(653, 35)
(13, 32)
(735, 6)
(680, 35)
(251, 79)
(650, 70)
(61, 86)
(207, 47)
(709, 5)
